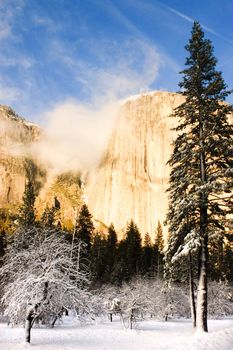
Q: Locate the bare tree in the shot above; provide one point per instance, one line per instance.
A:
(40, 277)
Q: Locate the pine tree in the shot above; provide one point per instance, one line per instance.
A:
(201, 163)
(111, 252)
(158, 250)
(215, 251)
(98, 258)
(133, 250)
(120, 271)
(159, 241)
(228, 261)
(27, 210)
(84, 228)
(147, 255)
(3, 244)
(49, 217)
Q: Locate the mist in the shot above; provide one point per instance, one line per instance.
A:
(75, 136)
(76, 133)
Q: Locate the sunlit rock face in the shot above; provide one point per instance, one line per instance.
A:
(130, 182)
(18, 139)
(132, 178)
(16, 136)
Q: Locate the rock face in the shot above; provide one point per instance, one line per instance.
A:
(68, 191)
(132, 178)
(16, 136)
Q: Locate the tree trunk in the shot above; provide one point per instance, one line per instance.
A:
(110, 317)
(54, 321)
(131, 319)
(29, 322)
(191, 291)
(158, 266)
(202, 289)
(202, 281)
(45, 293)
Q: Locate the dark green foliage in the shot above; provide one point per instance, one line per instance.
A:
(8, 220)
(48, 217)
(228, 261)
(98, 258)
(147, 256)
(27, 210)
(133, 250)
(204, 135)
(216, 251)
(120, 269)
(34, 174)
(84, 227)
(111, 252)
(159, 241)
(34, 178)
(127, 262)
(3, 244)
(158, 251)
(201, 163)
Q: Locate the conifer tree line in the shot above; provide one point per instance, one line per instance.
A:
(109, 260)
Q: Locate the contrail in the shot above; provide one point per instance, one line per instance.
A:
(190, 19)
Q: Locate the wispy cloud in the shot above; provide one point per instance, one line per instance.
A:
(165, 59)
(191, 20)
(45, 22)
(5, 30)
(8, 94)
(117, 70)
(122, 19)
(113, 71)
(7, 60)
(8, 11)
(120, 68)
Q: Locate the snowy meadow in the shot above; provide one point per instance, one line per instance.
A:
(104, 335)
(142, 314)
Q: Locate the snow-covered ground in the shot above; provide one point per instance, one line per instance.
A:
(103, 335)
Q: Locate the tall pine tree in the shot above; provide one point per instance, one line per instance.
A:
(27, 210)
(98, 258)
(133, 250)
(147, 255)
(111, 252)
(84, 228)
(201, 163)
(158, 250)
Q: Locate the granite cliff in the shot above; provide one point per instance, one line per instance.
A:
(132, 178)
(16, 137)
(129, 183)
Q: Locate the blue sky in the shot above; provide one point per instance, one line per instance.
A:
(54, 51)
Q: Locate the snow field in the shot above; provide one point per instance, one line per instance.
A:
(103, 335)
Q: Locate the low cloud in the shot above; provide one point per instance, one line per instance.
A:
(76, 134)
